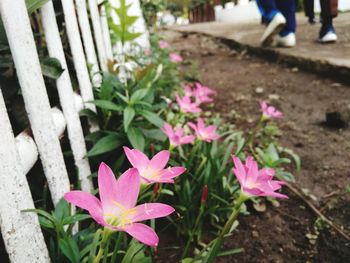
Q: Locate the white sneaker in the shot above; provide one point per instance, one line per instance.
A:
(329, 37)
(286, 41)
(273, 28)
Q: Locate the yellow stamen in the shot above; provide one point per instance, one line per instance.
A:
(122, 218)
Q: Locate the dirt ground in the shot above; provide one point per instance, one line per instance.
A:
(286, 233)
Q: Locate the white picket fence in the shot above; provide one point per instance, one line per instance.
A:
(21, 232)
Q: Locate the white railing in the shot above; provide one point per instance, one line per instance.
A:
(21, 232)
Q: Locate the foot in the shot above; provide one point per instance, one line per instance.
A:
(273, 28)
(328, 35)
(312, 21)
(286, 41)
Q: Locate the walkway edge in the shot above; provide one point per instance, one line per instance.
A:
(324, 68)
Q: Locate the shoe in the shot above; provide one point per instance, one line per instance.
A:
(328, 36)
(274, 27)
(286, 41)
(311, 21)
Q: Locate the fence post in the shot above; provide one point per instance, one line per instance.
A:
(96, 25)
(105, 32)
(17, 26)
(88, 41)
(79, 60)
(66, 94)
(21, 232)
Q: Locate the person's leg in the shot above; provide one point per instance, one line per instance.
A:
(309, 10)
(268, 9)
(288, 9)
(329, 9)
(273, 18)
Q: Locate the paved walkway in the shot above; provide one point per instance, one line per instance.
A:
(308, 53)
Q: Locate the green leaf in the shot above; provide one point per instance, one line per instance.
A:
(70, 249)
(121, 32)
(136, 138)
(272, 152)
(33, 5)
(51, 68)
(295, 157)
(231, 252)
(40, 212)
(138, 95)
(74, 218)
(44, 222)
(152, 118)
(155, 134)
(135, 253)
(129, 114)
(107, 105)
(287, 176)
(89, 113)
(105, 144)
(61, 210)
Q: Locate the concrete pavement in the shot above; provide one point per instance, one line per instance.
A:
(329, 59)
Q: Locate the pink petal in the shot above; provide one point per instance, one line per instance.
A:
(171, 172)
(253, 191)
(151, 210)
(253, 171)
(87, 202)
(239, 170)
(192, 126)
(142, 233)
(160, 160)
(200, 124)
(263, 105)
(167, 129)
(179, 132)
(128, 188)
(276, 195)
(107, 185)
(137, 158)
(211, 129)
(187, 139)
(266, 173)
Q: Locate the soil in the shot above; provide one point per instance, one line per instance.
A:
(285, 233)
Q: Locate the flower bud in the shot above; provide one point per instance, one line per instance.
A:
(204, 194)
(151, 147)
(155, 189)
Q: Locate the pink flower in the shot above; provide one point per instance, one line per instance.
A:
(176, 137)
(163, 44)
(269, 112)
(186, 105)
(256, 182)
(116, 209)
(188, 90)
(203, 133)
(202, 93)
(147, 51)
(152, 171)
(175, 58)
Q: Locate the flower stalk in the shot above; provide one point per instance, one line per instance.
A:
(103, 245)
(215, 249)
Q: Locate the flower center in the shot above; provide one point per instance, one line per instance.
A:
(121, 217)
(150, 173)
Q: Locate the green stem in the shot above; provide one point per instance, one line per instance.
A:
(116, 248)
(252, 135)
(103, 244)
(109, 115)
(214, 251)
(189, 241)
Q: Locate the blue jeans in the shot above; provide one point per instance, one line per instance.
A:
(269, 8)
